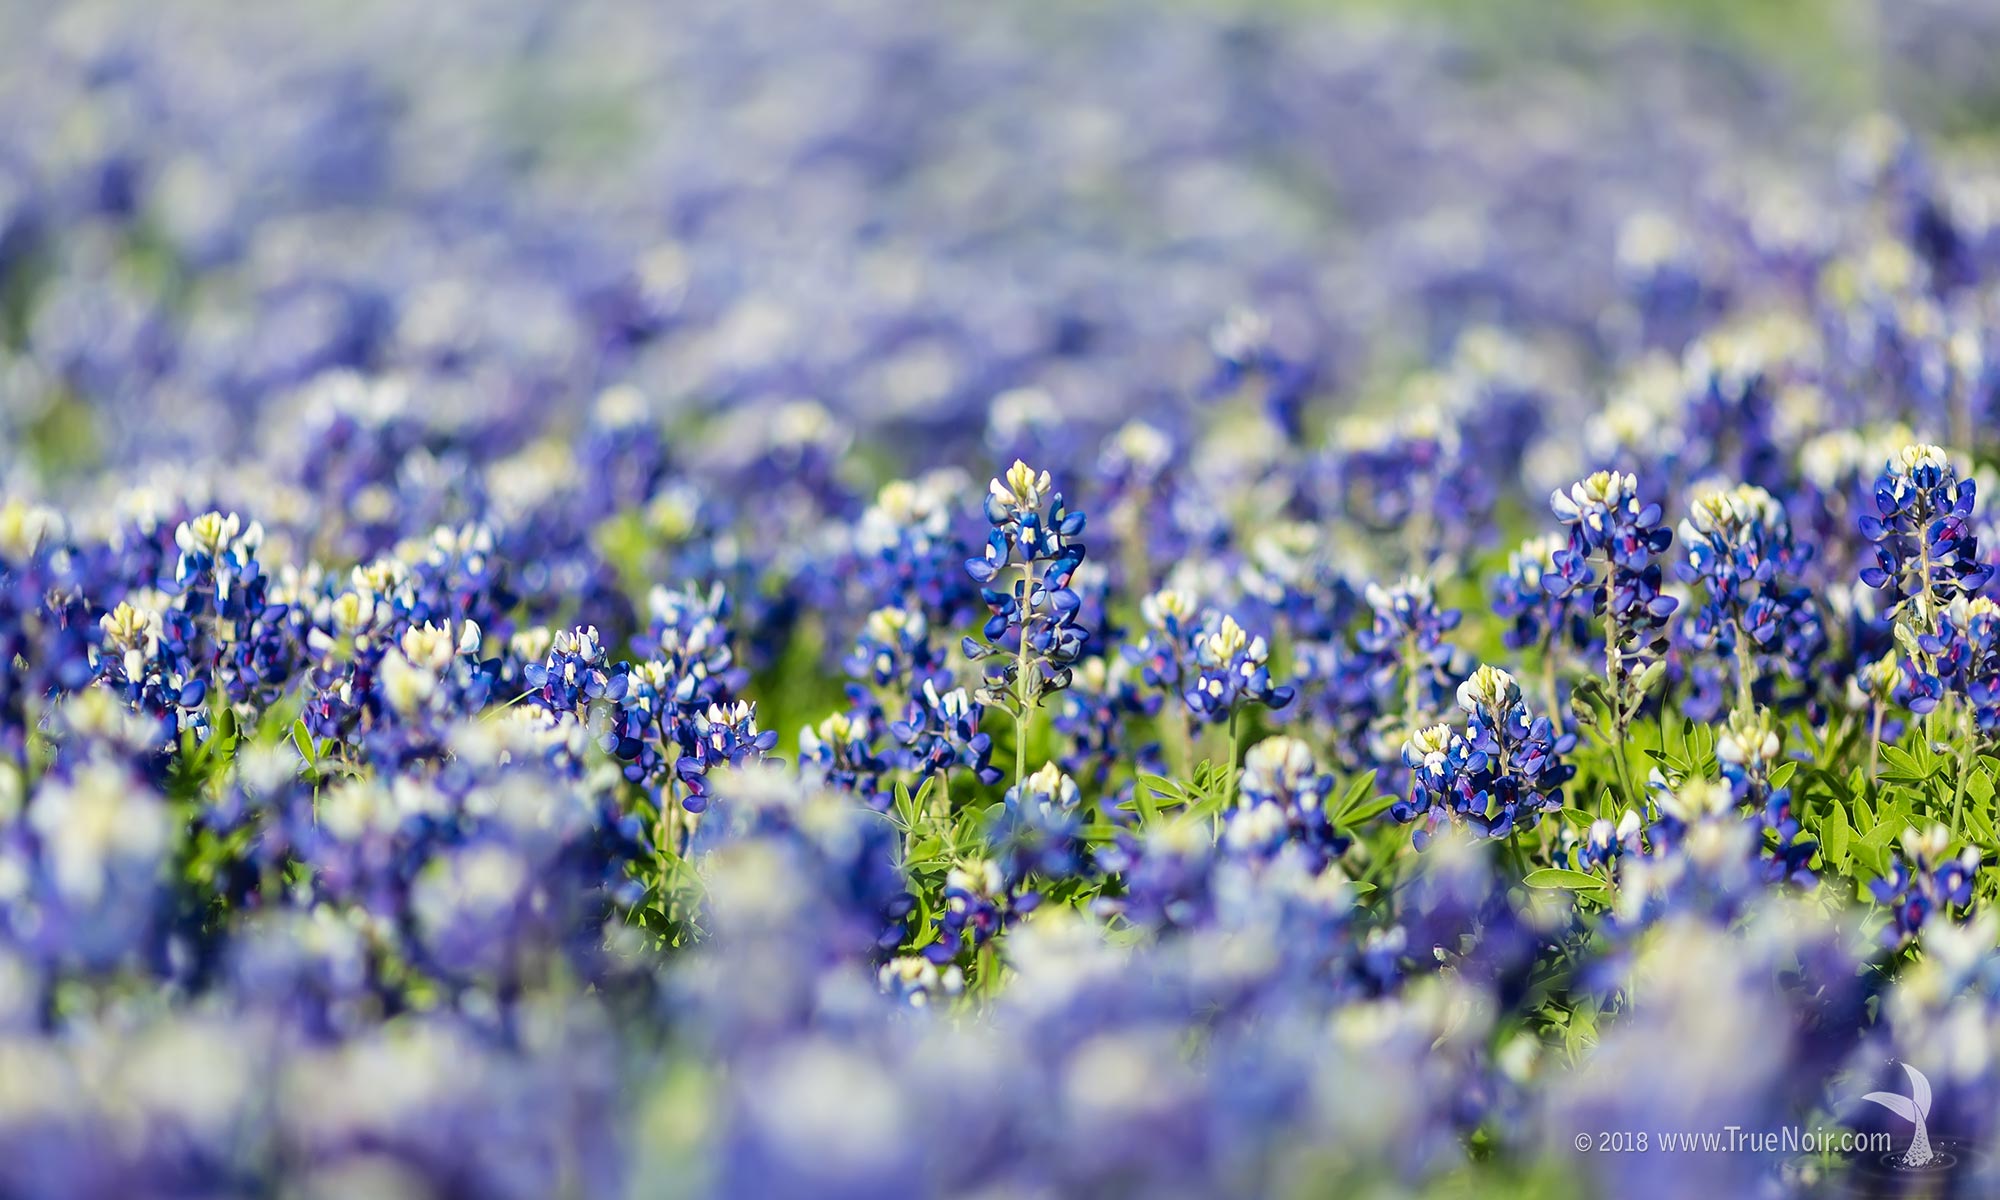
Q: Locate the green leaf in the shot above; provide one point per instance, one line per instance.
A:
(302, 738)
(1905, 767)
(1979, 786)
(1152, 788)
(1834, 836)
(1362, 813)
(1564, 878)
(1980, 817)
(1357, 792)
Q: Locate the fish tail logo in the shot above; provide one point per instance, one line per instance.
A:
(1916, 1109)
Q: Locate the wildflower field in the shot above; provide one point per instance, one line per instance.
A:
(861, 600)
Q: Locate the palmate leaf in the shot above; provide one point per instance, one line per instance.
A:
(1902, 766)
(1872, 850)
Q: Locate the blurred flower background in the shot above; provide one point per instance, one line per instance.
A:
(871, 599)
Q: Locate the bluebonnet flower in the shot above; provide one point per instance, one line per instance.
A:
(1165, 873)
(1926, 552)
(1895, 337)
(916, 981)
(1747, 752)
(806, 865)
(1699, 857)
(1413, 478)
(1443, 782)
(239, 636)
(1536, 616)
(476, 910)
(31, 539)
(1523, 751)
(978, 905)
(1032, 638)
(1606, 520)
(457, 574)
(908, 552)
(940, 731)
(1245, 351)
(1926, 559)
(1404, 655)
(1754, 613)
(1924, 880)
(1959, 658)
(623, 453)
(146, 651)
(1033, 617)
(1293, 571)
(1662, 272)
(1038, 830)
(89, 891)
(573, 674)
(1388, 677)
(432, 674)
(1231, 671)
(1980, 621)
(218, 558)
(842, 749)
(721, 735)
(1501, 774)
(1730, 380)
(1098, 711)
(1608, 526)
(1281, 802)
(688, 635)
(1603, 843)
(893, 651)
(1135, 476)
(1172, 617)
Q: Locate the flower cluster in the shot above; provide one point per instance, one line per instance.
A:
(1282, 801)
(1923, 880)
(1502, 773)
(1754, 615)
(1926, 551)
(1032, 638)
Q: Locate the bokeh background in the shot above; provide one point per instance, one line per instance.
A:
(671, 195)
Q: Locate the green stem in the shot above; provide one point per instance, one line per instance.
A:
(1230, 794)
(1021, 748)
(1926, 624)
(1746, 670)
(1614, 687)
(1965, 740)
(666, 836)
(1024, 692)
(1875, 739)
